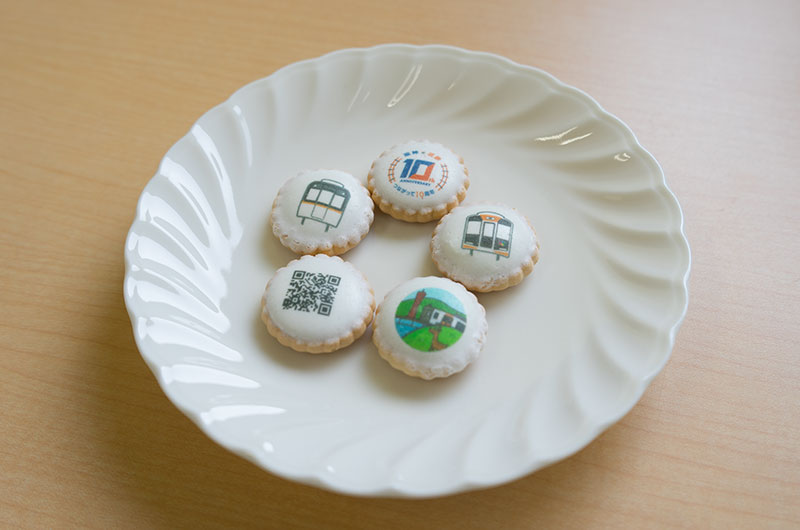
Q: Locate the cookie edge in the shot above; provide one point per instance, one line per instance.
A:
(328, 249)
(327, 346)
(515, 277)
(403, 364)
(421, 215)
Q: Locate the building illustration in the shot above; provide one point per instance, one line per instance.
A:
(428, 321)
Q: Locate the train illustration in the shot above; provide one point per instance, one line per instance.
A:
(430, 320)
(488, 232)
(324, 201)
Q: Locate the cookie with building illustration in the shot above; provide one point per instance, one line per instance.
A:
(430, 327)
(317, 304)
(323, 211)
(486, 247)
(418, 181)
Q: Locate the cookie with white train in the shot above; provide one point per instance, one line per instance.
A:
(323, 211)
(486, 246)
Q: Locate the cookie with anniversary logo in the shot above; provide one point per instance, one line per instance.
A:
(430, 327)
(317, 304)
(323, 211)
(418, 181)
(486, 247)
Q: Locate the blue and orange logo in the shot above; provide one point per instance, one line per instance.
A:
(422, 173)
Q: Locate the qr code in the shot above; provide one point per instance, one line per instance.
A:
(311, 292)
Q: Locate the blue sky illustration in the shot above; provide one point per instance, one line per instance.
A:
(439, 294)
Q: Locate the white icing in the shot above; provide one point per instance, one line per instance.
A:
(301, 224)
(351, 304)
(440, 363)
(445, 176)
(482, 267)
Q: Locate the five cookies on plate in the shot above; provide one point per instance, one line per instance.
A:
(427, 327)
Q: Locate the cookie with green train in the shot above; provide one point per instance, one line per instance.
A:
(430, 327)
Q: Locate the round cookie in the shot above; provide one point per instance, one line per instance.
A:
(321, 211)
(430, 327)
(487, 247)
(317, 304)
(418, 181)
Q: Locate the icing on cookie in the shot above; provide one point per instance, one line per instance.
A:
(418, 181)
(318, 300)
(430, 327)
(485, 246)
(326, 211)
(430, 319)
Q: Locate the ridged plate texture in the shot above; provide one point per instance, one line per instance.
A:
(569, 351)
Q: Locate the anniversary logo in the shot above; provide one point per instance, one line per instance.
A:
(422, 174)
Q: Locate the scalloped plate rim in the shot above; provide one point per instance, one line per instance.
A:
(393, 489)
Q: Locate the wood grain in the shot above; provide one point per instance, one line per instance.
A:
(93, 94)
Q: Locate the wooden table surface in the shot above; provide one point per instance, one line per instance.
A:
(94, 93)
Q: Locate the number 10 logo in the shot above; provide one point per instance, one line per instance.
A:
(411, 170)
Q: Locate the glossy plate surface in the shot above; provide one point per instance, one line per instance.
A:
(569, 352)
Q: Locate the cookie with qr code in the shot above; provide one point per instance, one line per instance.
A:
(323, 211)
(317, 304)
(418, 181)
(430, 327)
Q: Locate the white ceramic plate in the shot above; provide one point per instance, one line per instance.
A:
(570, 350)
